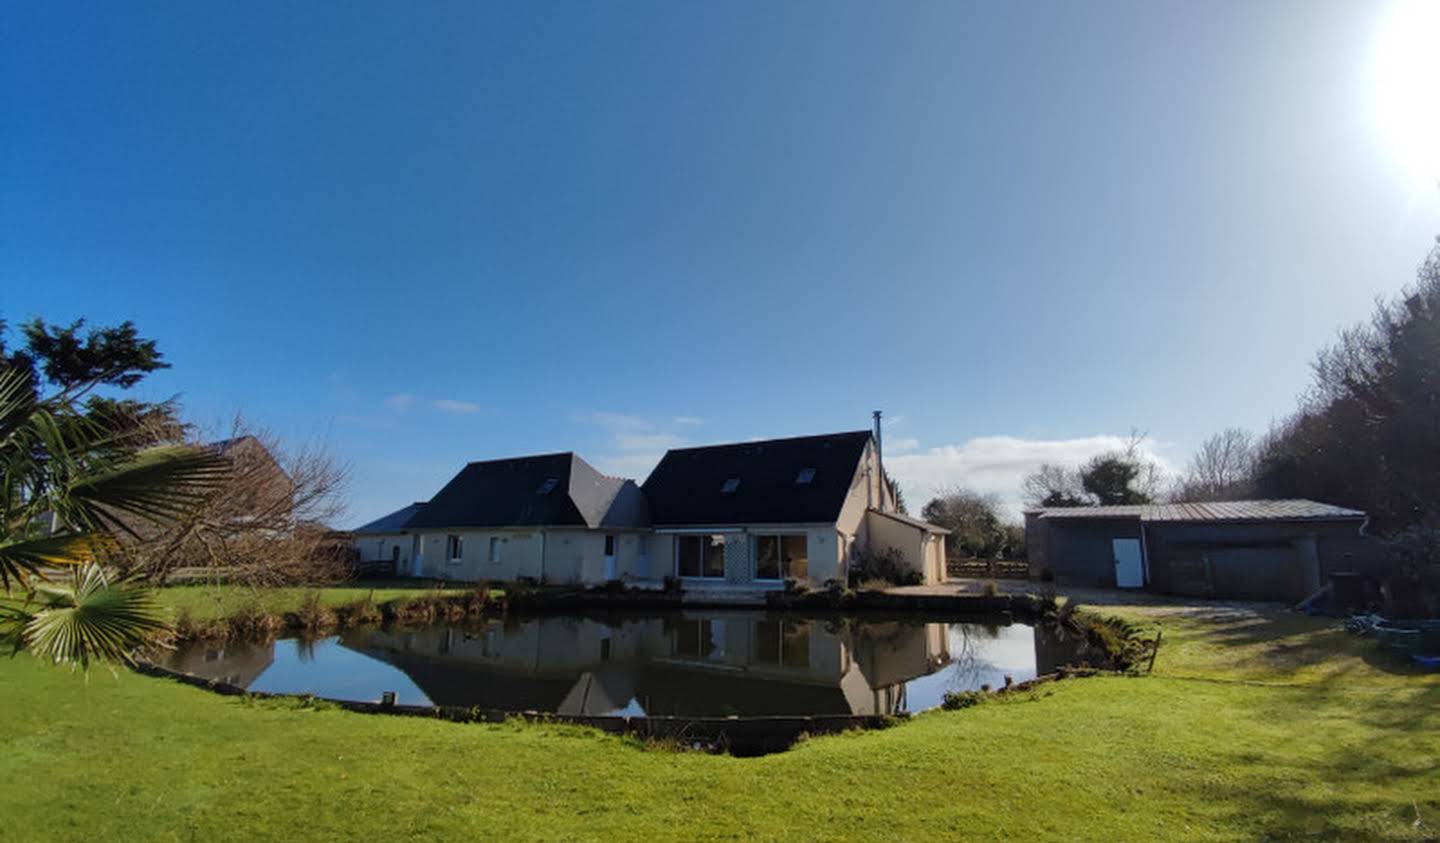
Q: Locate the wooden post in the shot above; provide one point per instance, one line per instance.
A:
(1155, 651)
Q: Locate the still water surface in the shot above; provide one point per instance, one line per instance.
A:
(691, 664)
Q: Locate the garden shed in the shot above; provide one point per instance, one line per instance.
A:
(1254, 550)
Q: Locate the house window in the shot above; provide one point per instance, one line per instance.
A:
(700, 556)
(782, 643)
(548, 486)
(730, 486)
(805, 476)
(700, 639)
(781, 557)
(454, 548)
(495, 543)
(609, 545)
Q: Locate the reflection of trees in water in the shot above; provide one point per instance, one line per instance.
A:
(968, 663)
(305, 649)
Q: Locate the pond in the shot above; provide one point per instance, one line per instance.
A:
(689, 664)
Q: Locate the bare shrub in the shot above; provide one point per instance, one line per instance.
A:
(887, 565)
(265, 526)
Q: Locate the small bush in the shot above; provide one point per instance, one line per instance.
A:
(253, 621)
(876, 585)
(415, 610)
(477, 601)
(314, 615)
(887, 565)
(362, 612)
(955, 700)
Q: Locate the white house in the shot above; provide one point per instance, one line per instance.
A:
(552, 517)
(744, 517)
(756, 514)
(386, 539)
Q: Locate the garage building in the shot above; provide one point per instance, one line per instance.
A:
(1253, 550)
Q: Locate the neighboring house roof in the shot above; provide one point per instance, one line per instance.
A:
(394, 522)
(538, 491)
(1210, 511)
(913, 522)
(224, 445)
(236, 448)
(693, 486)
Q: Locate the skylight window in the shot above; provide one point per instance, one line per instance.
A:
(730, 486)
(805, 476)
(548, 486)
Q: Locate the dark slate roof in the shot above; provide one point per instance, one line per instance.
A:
(224, 445)
(394, 522)
(506, 493)
(1210, 511)
(685, 488)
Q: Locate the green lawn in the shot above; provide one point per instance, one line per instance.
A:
(208, 602)
(1254, 725)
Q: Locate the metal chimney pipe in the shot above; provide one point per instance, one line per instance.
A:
(880, 458)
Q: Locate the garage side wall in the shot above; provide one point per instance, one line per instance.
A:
(1079, 551)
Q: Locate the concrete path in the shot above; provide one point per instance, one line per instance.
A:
(1087, 596)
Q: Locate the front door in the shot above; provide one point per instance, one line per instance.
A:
(1129, 568)
(609, 558)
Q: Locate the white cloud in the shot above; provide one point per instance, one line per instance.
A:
(995, 464)
(903, 445)
(400, 401)
(636, 443)
(636, 466)
(451, 405)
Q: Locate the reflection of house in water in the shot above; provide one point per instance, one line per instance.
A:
(743, 664)
(235, 662)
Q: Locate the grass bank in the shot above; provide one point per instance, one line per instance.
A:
(237, 611)
(1256, 724)
(216, 602)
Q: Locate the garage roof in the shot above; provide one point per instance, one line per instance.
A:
(1261, 510)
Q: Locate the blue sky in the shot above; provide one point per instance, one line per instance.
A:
(432, 233)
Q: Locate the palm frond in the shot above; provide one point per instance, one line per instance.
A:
(157, 484)
(22, 559)
(91, 620)
(17, 400)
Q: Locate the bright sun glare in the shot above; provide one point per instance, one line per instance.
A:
(1406, 88)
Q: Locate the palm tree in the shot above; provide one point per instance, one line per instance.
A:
(70, 484)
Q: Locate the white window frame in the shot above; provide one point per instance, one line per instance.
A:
(454, 548)
(780, 548)
(779, 626)
(497, 544)
(702, 537)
